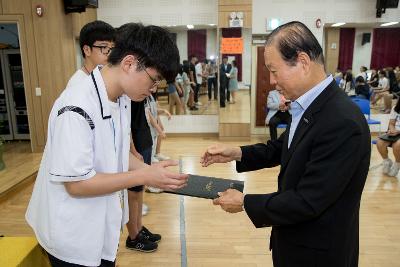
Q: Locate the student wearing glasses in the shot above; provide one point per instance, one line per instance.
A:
(96, 40)
(79, 202)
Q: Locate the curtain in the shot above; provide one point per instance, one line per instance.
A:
(234, 33)
(346, 48)
(197, 42)
(385, 48)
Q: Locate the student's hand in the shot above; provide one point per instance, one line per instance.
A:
(230, 201)
(392, 132)
(163, 135)
(219, 153)
(137, 155)
(168, 114)
(160, 177)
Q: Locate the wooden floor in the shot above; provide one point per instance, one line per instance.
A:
(215, 238)
(207, 107)
(20, 163)
(238, 112)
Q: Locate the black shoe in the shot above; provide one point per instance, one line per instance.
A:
(149, 235)
(140, 243)
(194, 108)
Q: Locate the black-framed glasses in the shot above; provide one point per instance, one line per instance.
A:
(154, 80)
(104, 49)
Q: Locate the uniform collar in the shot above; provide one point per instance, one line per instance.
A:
(101, 93)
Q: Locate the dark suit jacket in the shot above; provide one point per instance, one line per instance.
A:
(222, 70)
(315, 212)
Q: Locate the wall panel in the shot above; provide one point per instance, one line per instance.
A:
(48, 54)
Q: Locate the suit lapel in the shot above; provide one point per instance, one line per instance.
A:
(306, 122)
(285, 142)
(304, 125)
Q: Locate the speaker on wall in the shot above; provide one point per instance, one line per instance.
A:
(366, 38)
(78, 6)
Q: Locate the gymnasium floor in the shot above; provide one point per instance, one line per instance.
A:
(196, 233)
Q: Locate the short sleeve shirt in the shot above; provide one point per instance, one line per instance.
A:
(395, 116)
(80, 144)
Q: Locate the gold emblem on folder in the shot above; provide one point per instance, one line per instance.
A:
(209, 186)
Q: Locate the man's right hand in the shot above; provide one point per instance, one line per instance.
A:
(157, 175)
(219, 153)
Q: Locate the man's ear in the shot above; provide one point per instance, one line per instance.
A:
(304, 60)
(128, 62)
(87, 50)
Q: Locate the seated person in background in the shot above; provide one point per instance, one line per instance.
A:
(347, 83)
(391, 138)
(394, 89)
(381, 90)
(338, 77)
(374, 79)
(278, 112)
(362, 89)
(363, 72)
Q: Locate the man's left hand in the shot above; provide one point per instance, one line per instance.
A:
(230, 201)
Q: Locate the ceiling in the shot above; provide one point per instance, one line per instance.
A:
(363, 25)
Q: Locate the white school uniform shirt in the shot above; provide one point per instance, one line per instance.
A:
(81, 142)
(76, 78)
(199, 70)
(395, 116)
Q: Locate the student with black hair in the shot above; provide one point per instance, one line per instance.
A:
(363, 73)
(362, 89)
(79, 205)
(96, 40)
(192, 76)
(224, 95)
(186, 84)
(139, 237)
(391, 138)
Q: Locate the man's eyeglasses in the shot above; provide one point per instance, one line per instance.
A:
(155, 81)
(105, 50)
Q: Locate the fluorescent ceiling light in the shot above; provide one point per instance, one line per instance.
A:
(274, 23)
(211, 24)
(338, 24)
(190, 26)
(389, 23)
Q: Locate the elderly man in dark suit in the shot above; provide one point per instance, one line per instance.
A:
(324, 156)
(224, 69)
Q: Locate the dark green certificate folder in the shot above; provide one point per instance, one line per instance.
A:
(207, 187)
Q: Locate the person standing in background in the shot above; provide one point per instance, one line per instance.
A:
(224, 95)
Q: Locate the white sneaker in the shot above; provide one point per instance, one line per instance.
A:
(154, 159)
(161, 157)
(394, 170)
(145, 209)
(198, 104)
(386, 165)
(153, 190)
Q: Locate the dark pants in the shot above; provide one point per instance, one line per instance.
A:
(59, 263)
(196, 92)
(146, 154)
(278, 118)
(224, 94)
(291, 255)
(212, 82)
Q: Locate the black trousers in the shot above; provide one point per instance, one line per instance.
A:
(55, 262)
(224, 94)
(278, 118)
(212, 84)
(196, 92)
